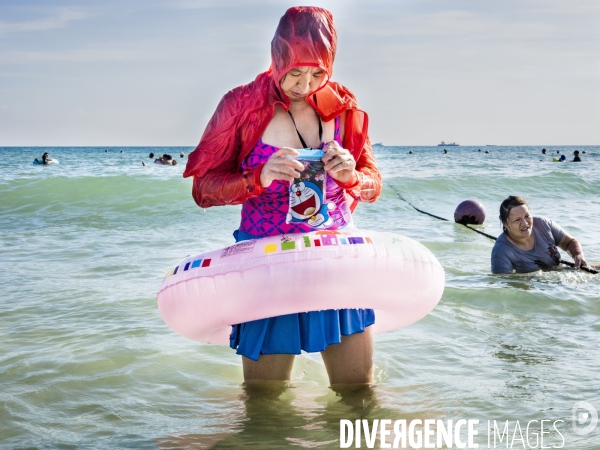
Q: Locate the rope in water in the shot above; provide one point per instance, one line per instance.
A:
(566, 263)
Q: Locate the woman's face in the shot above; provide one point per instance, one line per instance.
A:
(519, 222)
(301, 81)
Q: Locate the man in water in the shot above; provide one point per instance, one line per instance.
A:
(576, 156)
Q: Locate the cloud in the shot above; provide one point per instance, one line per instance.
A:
(210, 4)
(90, 54)
(462, 23)
(59, 19)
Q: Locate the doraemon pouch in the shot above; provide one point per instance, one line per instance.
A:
(307, 193)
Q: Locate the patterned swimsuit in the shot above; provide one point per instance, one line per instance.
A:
(265, 215)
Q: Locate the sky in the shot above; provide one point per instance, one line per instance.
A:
(151, 72)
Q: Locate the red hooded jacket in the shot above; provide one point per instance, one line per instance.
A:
(305, 37)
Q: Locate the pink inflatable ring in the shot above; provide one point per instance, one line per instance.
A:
(204, 295)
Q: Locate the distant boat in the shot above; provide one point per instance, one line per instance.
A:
(380, 144)
(490, 145)
(448, 144)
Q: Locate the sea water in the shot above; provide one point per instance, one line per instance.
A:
(87, 362)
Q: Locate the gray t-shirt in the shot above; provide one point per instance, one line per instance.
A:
(508, 258)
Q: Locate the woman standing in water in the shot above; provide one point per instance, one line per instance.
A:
(246, 156)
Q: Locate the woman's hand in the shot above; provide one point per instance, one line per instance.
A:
(569, 244)
(577, 255)
(339, 162)
(278, 167)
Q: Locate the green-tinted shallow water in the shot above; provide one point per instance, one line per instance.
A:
(87, 362)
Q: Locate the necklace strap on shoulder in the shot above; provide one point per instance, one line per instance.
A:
(300, 136)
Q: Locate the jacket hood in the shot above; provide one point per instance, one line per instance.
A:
(305, 36)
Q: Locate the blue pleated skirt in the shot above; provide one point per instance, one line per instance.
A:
(289, 334)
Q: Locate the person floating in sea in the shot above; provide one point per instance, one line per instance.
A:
(293, 105)
(45, 159)
(530, 243)
(166, 160)
(445, 151)
(543, 151)
(576, 156)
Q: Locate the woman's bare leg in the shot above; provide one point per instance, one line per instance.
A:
(351, 361)
(268, 368)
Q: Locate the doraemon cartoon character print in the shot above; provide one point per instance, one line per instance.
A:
(306, 205)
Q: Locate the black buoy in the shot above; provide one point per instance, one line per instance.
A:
(470, 212)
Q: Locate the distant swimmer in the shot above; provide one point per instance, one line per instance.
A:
(487, 151)
(410, 153)
(105, 151)
(562, 158)
(181, 155)
(151, 155)
(445, 151)
(543, 151)
(583, 152)
(576, 156)
(166, 160)
(530, 243)
(45, 159)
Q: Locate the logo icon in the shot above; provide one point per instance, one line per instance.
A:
(580, 418)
